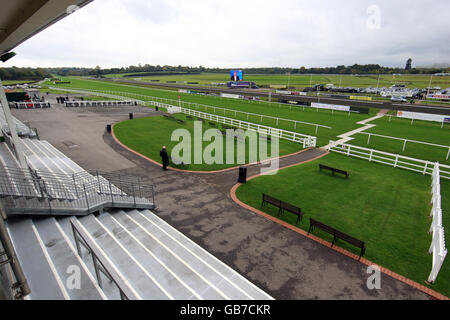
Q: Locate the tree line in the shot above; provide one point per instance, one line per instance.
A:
(16, 73)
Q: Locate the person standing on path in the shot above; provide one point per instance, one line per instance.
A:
(165, 157)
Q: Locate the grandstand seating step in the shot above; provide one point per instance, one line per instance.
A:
(37, 266)
(66, 261)
(196, 276)
(178, 240)
(123, 260)
(157, 261)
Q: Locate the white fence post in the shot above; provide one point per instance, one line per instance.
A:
(437, 247)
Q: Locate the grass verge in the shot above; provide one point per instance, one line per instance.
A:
(148, 135)
(387, 208)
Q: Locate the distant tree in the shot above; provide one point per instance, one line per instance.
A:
(408, 64)
(98, 71)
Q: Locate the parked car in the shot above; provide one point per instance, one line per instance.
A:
(398, 99)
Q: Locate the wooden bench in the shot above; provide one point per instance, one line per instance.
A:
(169, 117)
(333, 170)
(292, 209)
(337, 235)
(271, 200)
(282, 206)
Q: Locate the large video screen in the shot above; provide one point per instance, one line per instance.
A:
(236, 75)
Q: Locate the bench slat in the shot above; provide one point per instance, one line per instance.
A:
(321, 166)
(338, 235)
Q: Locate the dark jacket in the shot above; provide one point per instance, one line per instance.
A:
(164, 156)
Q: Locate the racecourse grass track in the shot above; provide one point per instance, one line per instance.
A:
(387, 208)
(423, 131)
(302, 80)
(148, 135)
(338, 121)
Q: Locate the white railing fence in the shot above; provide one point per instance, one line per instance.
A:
(437, 248)
(192, 105)
(87, 103)
(391, 159)
(405, 141)
(99, 93)
(205, 108)
(307, 141)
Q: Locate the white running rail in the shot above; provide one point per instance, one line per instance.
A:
(391, 159)
(193, 105)
(307, 141)
(405, 141)
(437, 248)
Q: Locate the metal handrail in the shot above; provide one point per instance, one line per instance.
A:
(21, 285)
(81, 191)
(101, 262)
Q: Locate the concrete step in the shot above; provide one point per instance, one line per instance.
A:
(108, 288)
(160, 270)
(43, 279)
(38, 162)
(231, 283)
(197, 279)
(66, 261)
(136, 274)
(7, 157)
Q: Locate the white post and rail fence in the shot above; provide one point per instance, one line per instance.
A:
(436, 170)
(306, 140)
(197, 106)
(437, 248)
(405, 141)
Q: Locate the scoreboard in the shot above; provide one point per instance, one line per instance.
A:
(236, 75)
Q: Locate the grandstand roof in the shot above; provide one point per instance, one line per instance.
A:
(22, 19)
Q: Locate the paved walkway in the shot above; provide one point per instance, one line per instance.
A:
(282, 262)
(346, 137)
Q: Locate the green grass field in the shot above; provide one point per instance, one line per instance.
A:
(425, 131)
(385, 207)
(340, 122)
(301, 81)
(148, 135)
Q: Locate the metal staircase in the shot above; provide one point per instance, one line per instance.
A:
(47, 193)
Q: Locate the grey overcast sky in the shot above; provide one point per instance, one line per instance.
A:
(250, 33)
